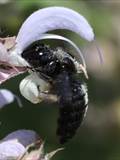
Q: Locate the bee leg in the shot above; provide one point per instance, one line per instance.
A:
(48, 97)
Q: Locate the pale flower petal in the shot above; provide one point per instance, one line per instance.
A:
(51, 18)
(3, 53)
(6, 97)
(25, 137)
(31, 86)
(7, 68)
(11, 150)
(14, 145)
(7, 72)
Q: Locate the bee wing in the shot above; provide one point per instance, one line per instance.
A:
(51, 18)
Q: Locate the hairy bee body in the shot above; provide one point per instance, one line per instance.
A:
(73, 103)
(71, 92)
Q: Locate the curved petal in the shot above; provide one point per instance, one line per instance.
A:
(11, 150)
(25, 137)
(51, 18)
(78, 54)
(14, 144)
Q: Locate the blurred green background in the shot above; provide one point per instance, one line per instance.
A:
(99, 136)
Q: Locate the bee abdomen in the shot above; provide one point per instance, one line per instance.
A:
(68, 124)
(73, 102)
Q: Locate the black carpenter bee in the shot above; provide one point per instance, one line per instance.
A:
(58, 68)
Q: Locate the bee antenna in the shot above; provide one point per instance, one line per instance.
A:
(100, 53)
